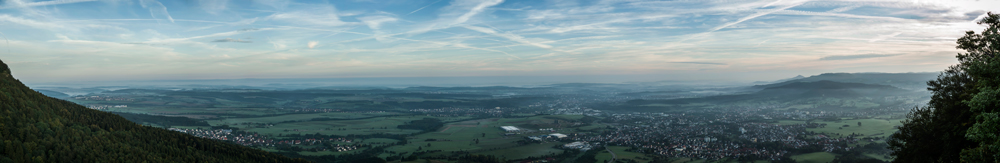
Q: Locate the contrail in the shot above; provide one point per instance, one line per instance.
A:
(755, 15)
(429, 5)
(751, 16)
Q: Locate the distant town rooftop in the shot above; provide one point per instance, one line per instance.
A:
(509, 128)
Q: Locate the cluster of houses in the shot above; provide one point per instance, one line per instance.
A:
(696, 135)
(549, 136)
(254, 139)
(463, 111)
(104, 98)
(583, 146)
(105, 107)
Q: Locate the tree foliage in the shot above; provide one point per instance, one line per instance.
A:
(37, 128)
(960, 121)
(984, 64)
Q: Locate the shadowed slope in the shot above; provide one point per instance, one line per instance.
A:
(37, 128)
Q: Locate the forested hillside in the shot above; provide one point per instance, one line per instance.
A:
(37, 128)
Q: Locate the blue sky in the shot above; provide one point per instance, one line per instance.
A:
(95, 40)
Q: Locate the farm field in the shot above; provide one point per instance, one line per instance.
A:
(817, 157)
(341, 127)
(877, 156)
(300, 117)
(869, 127)
(520, 152)
(461, 137)
(621, 153)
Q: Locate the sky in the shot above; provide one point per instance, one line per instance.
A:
(115, 40)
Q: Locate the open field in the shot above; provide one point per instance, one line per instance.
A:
(462, 136)
(621, 153)
(817, 157)
(341, 127)
(877, 156)
(207, 112)
(869, 127)
(790, 122)
(299, 117)
(519, 152)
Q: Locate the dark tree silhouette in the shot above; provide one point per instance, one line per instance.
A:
(940, 132)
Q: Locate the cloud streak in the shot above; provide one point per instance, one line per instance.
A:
(375, 23)
(421, 8)
(156, 9)
(460, 11)
(755, 15)
(854, 57)
(702, 63)
(16, 3)
(232, 40)
(320, 16)
(508, 35)
(218, 39)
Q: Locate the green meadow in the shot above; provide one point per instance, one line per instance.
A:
(816, 157)
(621, 154)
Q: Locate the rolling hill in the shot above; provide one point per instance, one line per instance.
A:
(38, 128)
(799, 92)
(910, 81)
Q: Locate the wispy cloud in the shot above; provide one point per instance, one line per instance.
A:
(421, 8)
(324, 16)
(478, 8)
(460, 11)
(30, 22)
(845, 8)
(275, 4)
(755, 15)
(375, 23)
(156, 9)
(186, 39)
(853, 57)
(232, 40)
(702, 63)
(216, 39)
(17, 3)
(883, 37)
(237, 23)
(507, 35)
(312, 44)
(213, 6)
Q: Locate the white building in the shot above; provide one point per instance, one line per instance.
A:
(510, 128)
(558, 135)
(574, 145)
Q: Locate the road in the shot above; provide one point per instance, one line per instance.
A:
(613, 156)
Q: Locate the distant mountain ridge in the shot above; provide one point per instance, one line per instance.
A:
(826, 88)
(37, 128)
(910, 81)
(826, 84)
(784, 91)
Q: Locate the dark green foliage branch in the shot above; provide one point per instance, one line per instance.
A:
(984, 65)
(37, 128)
(960, 122)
